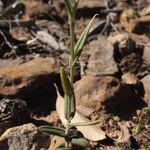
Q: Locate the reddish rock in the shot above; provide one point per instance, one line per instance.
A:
(24, 79)
(93, 93)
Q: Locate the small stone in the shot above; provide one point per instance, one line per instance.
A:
(130, 78)
(134, 83)
(25, 137)
(129, 20)
(13, 110)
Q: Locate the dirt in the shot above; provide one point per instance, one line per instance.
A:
(117, 49)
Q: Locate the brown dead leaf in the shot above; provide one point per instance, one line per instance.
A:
(92, 132)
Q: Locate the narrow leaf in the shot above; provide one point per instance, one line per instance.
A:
(69, 95)
(73, 105)
(65, 82)
(69, 8)
(80, 142)
(67, 108)
(53, 130)
(75, 7)
(90, 123)
(80, 43)
(64, 148)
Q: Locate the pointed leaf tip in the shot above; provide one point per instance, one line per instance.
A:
(80, 43)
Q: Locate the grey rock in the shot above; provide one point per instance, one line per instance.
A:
(13, 110)
(26, 137)
(98, 58)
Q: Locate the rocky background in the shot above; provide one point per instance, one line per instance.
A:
(112, 75)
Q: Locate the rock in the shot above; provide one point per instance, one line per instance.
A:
(33, 9)
(10, 62)
(58, 32)
(146, 84)
(101, 92)
(131, 63)
(91, 4)
(121, 39)
(97, 57)
(23, 80)
(20, 33)
(134, 83)
(24, 137)
(130, 78)
(146, 55)
(13, 110)
(129, 20)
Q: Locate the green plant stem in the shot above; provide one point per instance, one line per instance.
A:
(67, 130)
(72, 38)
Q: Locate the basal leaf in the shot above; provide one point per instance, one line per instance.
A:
(53, 130)
(64, 148)
(80, 142)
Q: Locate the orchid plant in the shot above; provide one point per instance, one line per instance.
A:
(67, 81)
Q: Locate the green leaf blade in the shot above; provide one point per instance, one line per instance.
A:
(90, 123)
(75, 6)
(65, 82)
(80, 43)
(80, 141)
(70, 107)
(69, 9)
(53, 130)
